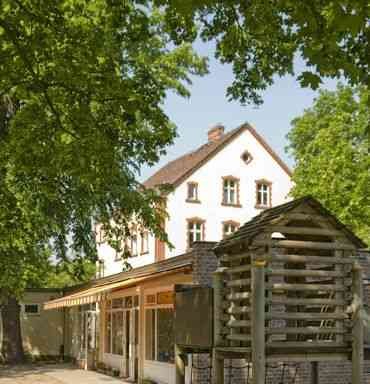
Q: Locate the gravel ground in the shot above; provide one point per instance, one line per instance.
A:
(52, 374)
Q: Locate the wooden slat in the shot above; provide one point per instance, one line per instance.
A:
(305, 344)
(304, 273)
(235, 257)
(239, 269)
(305, 316)
(306, 245)
(304, 301)
(303, 230)
(305, 330)
(239, 337)
(238, 282)
(309, 259)
(305, 287)
(238, 296)
(238, 310)
(239, 323)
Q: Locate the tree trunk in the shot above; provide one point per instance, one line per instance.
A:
(12, 347)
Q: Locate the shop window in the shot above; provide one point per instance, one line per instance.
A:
(159, 335)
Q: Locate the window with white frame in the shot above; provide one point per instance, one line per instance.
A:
(115, 323)
(263, 194)
(230, 191)
(229, 227)
(195, 230)
(144, 242)
(159, 331)
(192, 192)
(134, 245)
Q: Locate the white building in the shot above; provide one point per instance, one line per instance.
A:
(217, 187)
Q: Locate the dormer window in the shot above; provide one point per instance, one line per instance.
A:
(246, 157)
(192, 193)
(230, 191)
(263, 194)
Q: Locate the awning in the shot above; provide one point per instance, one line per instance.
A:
(99, 293)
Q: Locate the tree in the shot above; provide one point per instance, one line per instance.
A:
(81, 88)
(261, 39)
(330, 143)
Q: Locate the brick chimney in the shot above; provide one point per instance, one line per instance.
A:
(216, 132)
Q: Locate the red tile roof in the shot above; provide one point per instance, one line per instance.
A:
(179, 169)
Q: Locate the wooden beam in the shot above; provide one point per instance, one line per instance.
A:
(303, 230)
(179, 366)
(234, 257)
(305, 287)
(306, 316)
(218, 368)
(238, 282)
(239, 269)
(239, 323)
(239, 337)
(304, 244)
(314, 372)
(304, 301)
(258, 323)
(238, 296)
(234, 310)
(217, 307)
(305, 344)
(309, 259)
(357, 330)
(304, 330)
(304, 273)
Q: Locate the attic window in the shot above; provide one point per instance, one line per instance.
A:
(246, 157)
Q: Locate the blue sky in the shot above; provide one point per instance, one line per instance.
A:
(208, 105)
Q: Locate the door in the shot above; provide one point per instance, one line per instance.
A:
(130, 343)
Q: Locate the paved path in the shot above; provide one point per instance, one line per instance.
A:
(53, 374)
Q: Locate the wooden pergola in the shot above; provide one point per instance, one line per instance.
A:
(289, 288)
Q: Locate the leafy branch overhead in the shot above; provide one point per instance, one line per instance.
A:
(89, 80)
(262, 39)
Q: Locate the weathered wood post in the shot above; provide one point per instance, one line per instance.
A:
(314, 372)
(258, 321)
(179, 365)
(218, 363)
(357, 330)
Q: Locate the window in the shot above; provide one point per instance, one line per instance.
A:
(263, 194)
(32, 309)
(134, 250)
(229, 227)
(144, 242)
(230, 191)
(246, 157)
(195, 230)
(192, 193)
(100, 269)
(159, 331)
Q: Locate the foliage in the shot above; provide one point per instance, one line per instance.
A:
(82, 86)
(331, 146)
(262, 38)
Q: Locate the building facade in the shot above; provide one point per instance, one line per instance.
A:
(225, 182)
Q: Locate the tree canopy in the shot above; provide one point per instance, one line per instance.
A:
(330, 143)
(82, 86)
(261, 39)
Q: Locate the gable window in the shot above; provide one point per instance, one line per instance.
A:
(144, 242)
(192, 194)
(229, 227)
(230, 191)
(246, 157)
(263, 194)
(195, 230)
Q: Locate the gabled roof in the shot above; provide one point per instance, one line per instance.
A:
(257, 223)
(179, 169)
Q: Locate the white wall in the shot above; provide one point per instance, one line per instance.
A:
(227, 162)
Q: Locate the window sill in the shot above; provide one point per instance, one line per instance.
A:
(262, 206)
(231, 205)
(193, 201)
(144, 253)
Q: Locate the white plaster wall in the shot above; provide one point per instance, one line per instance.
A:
(112, 266)
(209, 178)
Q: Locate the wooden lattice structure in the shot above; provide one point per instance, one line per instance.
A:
(288, 288)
